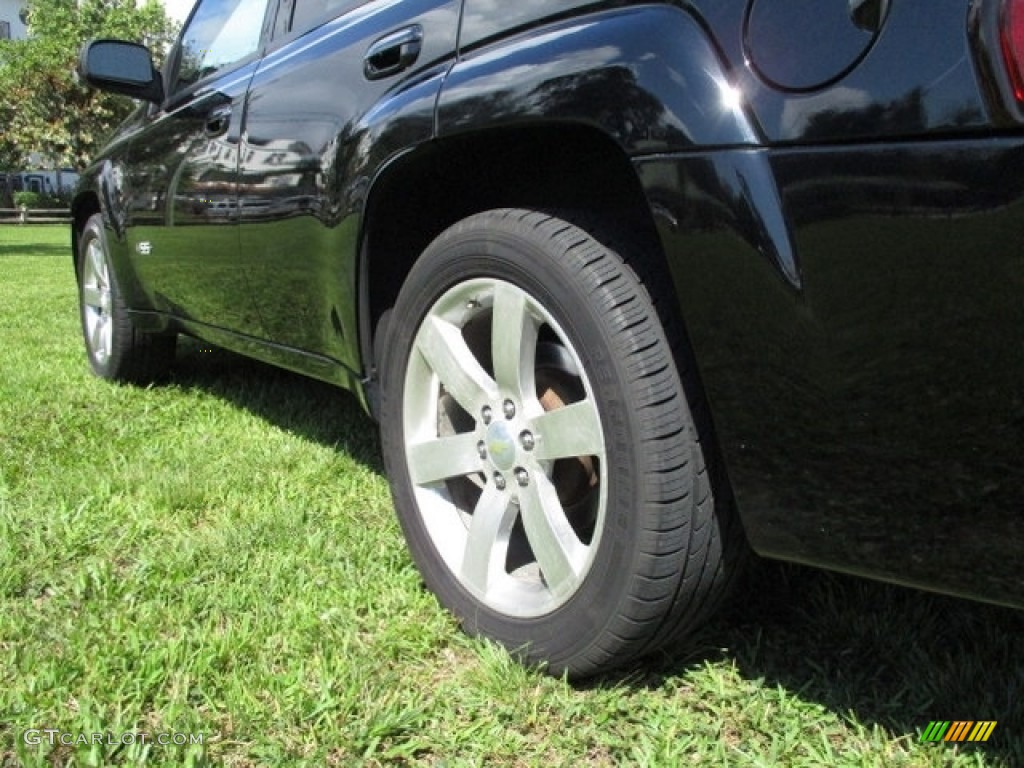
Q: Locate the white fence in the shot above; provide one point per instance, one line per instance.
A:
(34, 216)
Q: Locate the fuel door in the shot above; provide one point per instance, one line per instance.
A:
(804, 45)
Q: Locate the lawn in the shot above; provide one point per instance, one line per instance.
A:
(217, 559)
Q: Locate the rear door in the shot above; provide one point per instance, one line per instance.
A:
(183, 171)
(345, 85)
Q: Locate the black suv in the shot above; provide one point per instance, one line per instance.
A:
(629, 286)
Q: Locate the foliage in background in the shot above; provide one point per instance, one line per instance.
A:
(42, 108)
(29, 199)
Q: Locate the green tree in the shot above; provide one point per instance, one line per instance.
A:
(43, 109)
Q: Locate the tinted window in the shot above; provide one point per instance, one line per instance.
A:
(300, 15)
(220, 33)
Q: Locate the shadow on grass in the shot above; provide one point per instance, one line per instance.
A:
(886, 655)
(34, 249)
(306, 407)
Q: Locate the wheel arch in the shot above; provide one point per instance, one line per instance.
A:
(585, 176)
(85, 205)
(557, 118)
(561, 167)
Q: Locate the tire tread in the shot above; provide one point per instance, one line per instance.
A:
(688, 544)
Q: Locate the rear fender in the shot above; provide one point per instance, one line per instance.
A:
(650, 79)
(647, 76)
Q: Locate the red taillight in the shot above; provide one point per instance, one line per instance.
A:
(1011, 38)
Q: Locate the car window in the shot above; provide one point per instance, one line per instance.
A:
(220, 33)
(297, 16)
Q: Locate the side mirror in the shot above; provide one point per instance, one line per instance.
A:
(121, 67)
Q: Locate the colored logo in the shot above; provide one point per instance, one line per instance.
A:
(958, 730)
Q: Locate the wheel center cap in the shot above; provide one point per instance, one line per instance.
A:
(501, 445)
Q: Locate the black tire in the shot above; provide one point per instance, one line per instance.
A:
(117, 351)
(631, 536)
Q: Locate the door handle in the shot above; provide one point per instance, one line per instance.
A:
(393, 53)
(217, 122)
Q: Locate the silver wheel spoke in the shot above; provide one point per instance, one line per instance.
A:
(99, 265)
(93, 297)
(105, 336)
(97, 338)
(487, 543)
(446, 352)
(574, 430)
(443, 458)
(97, 302)
(559, 552)
(513, 342)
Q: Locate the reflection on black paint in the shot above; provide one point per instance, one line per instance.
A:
(631, 114)
(873, 421)
(317, 133)
(796, 48)
(648, 79)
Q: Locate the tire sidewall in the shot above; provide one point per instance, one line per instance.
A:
(560, 287)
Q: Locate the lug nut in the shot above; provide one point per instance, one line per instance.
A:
(499, 481)
(522, 477)
(481, 449)
(486, 414)
(510, 409)
(526, 440)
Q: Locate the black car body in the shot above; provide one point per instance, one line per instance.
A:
(832, 201)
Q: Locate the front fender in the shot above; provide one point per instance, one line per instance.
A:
(647, 76)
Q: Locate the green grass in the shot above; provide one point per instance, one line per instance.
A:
(219, 556)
